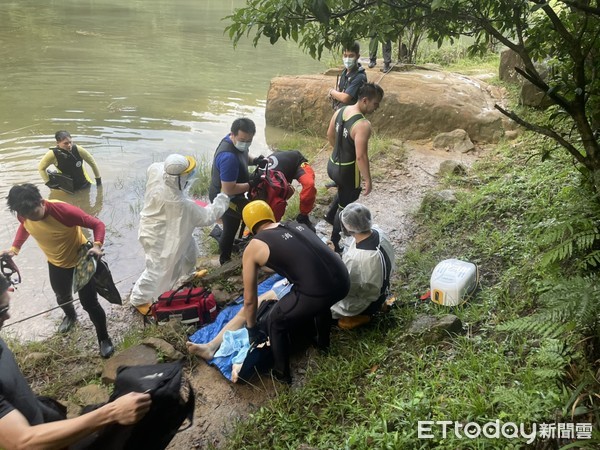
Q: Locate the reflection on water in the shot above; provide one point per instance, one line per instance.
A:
(132, 81)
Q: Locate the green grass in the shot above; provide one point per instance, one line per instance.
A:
(378, 382)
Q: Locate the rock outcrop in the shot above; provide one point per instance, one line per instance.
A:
(418, 104)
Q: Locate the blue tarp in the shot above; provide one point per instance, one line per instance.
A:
(205, 334)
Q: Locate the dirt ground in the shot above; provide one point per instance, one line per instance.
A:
(220, 403)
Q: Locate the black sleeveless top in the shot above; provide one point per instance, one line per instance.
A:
(305, 260)
(344, 151)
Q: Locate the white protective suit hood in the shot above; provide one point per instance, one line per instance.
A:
(366, 269)
(167, 223)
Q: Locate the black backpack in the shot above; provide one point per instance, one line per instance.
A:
(158, 427)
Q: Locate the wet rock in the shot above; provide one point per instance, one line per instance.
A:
(418, 104)
(137, 355)
(164, 348)
(434, 329)
(450, 167)
(456, 140)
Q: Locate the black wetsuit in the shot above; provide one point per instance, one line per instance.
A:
(343, 169)
(319, 279)
(289, 162)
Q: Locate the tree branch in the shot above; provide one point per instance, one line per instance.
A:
(546, 132)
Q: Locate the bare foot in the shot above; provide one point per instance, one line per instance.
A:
(204, 351)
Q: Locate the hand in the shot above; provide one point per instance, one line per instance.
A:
(256, 336)
(98, 181)
(368, 187)
(131, 408)
(95, 251)
(255, 179)
(260, 161)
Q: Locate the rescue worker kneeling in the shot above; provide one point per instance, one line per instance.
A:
(370, 261)
(318, 274)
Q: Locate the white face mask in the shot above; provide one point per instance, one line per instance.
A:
(349, 62)
(242, 146)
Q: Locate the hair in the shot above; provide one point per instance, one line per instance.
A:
(244, 124)
(4, 284)
(23, 198)
(61, 135)
(353, 47)
(371, 91)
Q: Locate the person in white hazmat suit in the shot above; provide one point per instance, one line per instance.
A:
(370, 260)
(167, 222)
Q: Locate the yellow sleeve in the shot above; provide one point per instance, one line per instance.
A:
(48, 160)
(88, 158)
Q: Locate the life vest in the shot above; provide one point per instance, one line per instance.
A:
(242, 159)
(71, 164)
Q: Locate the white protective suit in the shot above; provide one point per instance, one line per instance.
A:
(167, 222)
(367, 271)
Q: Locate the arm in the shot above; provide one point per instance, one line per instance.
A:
(255, 256)
(20, 238)
(88, 158)
(72, 216)
(228, 169)
(48, 160)
(341, 97)
(331, 134)
(206, 215)
(16, 433)
(362, 133)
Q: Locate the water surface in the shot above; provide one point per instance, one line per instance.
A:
(132, 81)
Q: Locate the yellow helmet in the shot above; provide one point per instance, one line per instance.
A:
(255, 212)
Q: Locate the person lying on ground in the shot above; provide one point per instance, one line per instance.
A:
(24, 422)
(167, 224)
(370, 260)
(207, 351)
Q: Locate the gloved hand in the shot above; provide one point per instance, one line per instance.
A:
(98, 181)
(303, 219)
(256, 336)
(260, 161)
(255, 179)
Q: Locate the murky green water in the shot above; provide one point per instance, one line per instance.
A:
(132, 80)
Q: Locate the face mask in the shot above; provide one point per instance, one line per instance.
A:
(349, 62)
(242, 146)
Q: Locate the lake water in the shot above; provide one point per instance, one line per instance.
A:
(132, 81)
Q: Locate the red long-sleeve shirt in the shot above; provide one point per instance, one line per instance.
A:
(59, 233)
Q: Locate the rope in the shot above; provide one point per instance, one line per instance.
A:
(53, 308)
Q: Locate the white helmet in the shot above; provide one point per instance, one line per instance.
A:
(176, 164)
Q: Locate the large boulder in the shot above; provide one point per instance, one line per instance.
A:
(418, 104)
(530, 94)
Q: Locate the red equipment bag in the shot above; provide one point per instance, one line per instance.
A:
(273, 189)
(190, 305)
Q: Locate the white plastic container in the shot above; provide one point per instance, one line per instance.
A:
(452, 281)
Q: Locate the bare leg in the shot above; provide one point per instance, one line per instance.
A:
(208, 350)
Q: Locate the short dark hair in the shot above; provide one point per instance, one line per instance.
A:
(353, 47)
(4, 284)
(24, 198)
(371, 91)
(61, 135)
(243, 124)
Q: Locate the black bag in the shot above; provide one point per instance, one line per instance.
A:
(262, 315)
(168, 411)
(105, 286)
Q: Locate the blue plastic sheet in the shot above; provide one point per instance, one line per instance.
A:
(205, 334)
